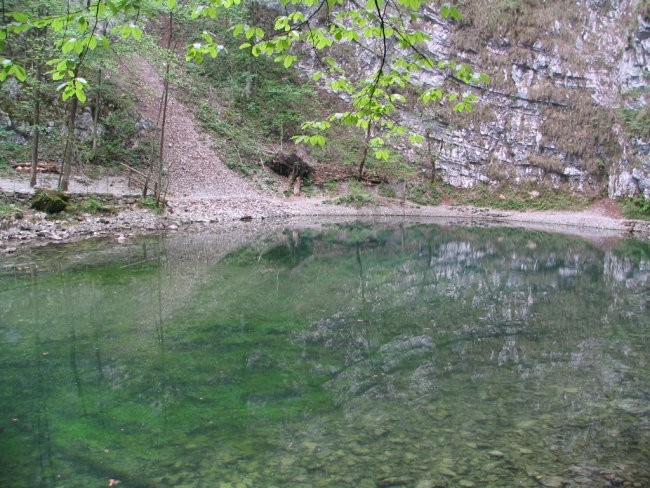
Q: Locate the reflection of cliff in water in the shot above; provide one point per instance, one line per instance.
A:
(432, 302)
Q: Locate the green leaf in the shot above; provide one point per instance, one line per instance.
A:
(20, 16)
(19, 72)
(289, 60)
(416, 139)
(68, 45)
(382, 154)
(171, 4)
(412, 4)
(317, 140)
(92, 43)
(82, 24)
(377, 142)
(450, 12)
(79, 46)
(81, 95)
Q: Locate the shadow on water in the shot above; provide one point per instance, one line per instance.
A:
(362, 356)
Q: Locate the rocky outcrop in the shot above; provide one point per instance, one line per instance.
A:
(562, 78)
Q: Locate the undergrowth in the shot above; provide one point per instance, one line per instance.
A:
(356, 196)
(151, 203)
(637, 208)
(93, 206)
(9, 210)
(522, 198)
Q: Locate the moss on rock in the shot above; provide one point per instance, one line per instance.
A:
(50, 201)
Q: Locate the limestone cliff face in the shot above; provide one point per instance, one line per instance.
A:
(568, 98)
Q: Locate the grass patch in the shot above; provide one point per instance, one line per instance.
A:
(522, 198)
(386, 191)
(151, 203)
(636, 121)
(10, 211)
(94, 206)
(637, 208)
(356, 196)
(427, 193)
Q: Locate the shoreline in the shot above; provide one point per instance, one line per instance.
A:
(257, 214)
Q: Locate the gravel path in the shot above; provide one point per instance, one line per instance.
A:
(204, 193)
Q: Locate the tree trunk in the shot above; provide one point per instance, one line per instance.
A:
(431, 157)
(164, 101)
(364, 155)
(64, 178)
(98, 105)
(36, 132)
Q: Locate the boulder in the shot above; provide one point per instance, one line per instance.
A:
(50, 201)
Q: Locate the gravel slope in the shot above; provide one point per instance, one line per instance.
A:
(195, 170)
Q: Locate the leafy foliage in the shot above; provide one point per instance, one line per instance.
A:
(317, 25)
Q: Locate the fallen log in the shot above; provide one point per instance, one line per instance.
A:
(41, 167)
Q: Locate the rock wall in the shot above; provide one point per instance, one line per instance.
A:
(567, 103)
(561, 74)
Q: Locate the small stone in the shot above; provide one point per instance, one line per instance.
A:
(447, 472)
(424, 484)
(310, 446)
(394, 481)
(496, 454)
(525, 451)
(552, 481)
(466, 484)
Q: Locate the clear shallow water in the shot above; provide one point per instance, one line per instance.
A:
(350, 357)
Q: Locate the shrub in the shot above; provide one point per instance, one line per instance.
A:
(357, 195)
(637, 208)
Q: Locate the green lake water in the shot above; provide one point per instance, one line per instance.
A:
(350, 356)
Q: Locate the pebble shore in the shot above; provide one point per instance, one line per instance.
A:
(249, 214)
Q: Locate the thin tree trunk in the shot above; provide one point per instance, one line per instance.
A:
(364, 155)
(432, 158)
(98, 105)
(36, 132)
(64, 178)
(164, 103)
